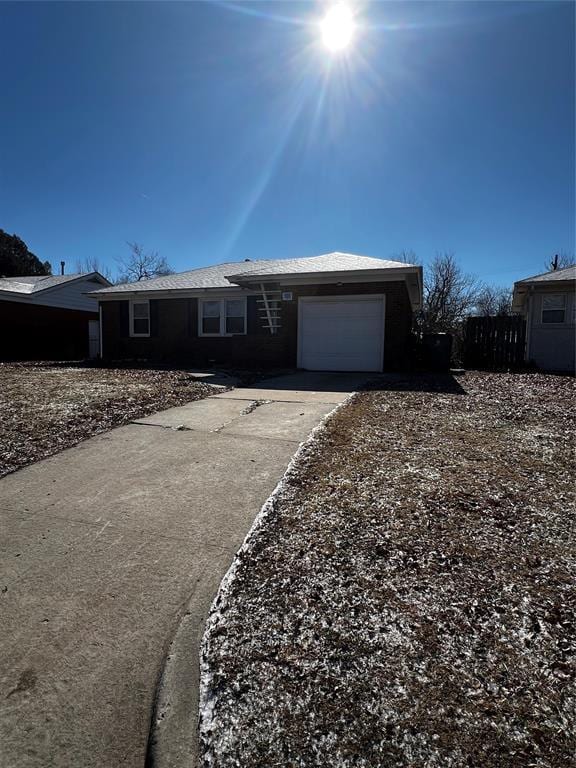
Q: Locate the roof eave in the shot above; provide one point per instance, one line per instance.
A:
(529, 283)
(159, 293)
(383, 274)
(337, 275)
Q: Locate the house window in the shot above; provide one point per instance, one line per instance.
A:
(554, 308)
(140, 318)
(235, 315)
(222, 317)
(211, 312)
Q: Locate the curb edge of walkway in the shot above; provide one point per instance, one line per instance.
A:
(173, 737)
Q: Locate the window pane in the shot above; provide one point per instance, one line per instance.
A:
(234, 325)
(235, 308)
(235, 316)
(141, 325)
(554, 301)
(553, 316)
(140, 310)
(211, 324)
(210, 309)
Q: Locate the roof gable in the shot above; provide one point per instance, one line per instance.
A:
(27, 285)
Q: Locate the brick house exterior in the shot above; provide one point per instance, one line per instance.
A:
(43, 333)
(174, 319)
(48, 317)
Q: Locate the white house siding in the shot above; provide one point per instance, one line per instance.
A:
(552, 346)
(67, 296)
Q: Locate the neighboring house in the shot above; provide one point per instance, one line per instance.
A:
(333, 312)
(49, 317)
(548, 302)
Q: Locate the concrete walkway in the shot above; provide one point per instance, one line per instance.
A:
(106, 546)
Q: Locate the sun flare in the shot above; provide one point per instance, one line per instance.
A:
(337, 27)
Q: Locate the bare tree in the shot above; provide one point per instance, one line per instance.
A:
(449, 295)
(561, 260)
(493, 301)
(93, 264)
(406, 257)
(142, 265)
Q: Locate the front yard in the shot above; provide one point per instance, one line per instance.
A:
(45, 408)
(409, 599)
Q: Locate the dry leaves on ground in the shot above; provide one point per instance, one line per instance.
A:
(410, 599)
(46, 408)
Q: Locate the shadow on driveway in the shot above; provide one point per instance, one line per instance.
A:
(315, 381)
(444, 383)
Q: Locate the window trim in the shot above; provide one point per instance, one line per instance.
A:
(133, 334)
(222, 301)
(559, 309)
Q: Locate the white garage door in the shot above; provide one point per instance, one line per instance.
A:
(341, 334)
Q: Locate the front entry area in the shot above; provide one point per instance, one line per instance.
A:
(341, 333)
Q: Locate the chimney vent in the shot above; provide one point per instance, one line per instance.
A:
(62, 265)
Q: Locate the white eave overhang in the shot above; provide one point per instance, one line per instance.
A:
(170, 293)
(251, 284)
(412, 275)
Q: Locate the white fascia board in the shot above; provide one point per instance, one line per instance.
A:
(175, 293)
(42, 300)
(15, 296)
(349, 276)
(557, 285)
(416, 291)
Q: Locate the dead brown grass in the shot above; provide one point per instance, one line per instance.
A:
(411, 600)
(46, 408)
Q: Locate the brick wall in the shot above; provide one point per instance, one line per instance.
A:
(174, 330)
(33, 332)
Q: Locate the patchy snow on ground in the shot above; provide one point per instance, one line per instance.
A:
(45, 408)
(407, 596)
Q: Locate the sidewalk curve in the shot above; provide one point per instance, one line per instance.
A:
(110, 547)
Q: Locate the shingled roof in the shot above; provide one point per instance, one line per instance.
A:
(27, 284)
(230, 274)
(554, 276)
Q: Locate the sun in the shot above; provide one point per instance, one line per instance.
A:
(337, 27)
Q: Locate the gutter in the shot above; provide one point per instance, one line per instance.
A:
(352, 275)
(101, 340)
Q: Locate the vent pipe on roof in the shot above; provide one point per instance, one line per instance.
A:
(62, 265)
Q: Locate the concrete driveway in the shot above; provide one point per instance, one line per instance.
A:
(106, 546)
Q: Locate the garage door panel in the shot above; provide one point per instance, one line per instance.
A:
(328, 310)
(342, 335)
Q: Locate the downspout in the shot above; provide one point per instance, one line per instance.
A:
(100, 330)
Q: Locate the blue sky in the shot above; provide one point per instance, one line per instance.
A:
(215, 131)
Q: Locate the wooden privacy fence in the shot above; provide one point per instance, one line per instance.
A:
(494, 342)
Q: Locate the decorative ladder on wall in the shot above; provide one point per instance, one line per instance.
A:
(270, 308)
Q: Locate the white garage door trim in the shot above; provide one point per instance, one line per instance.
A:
(353, 298)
